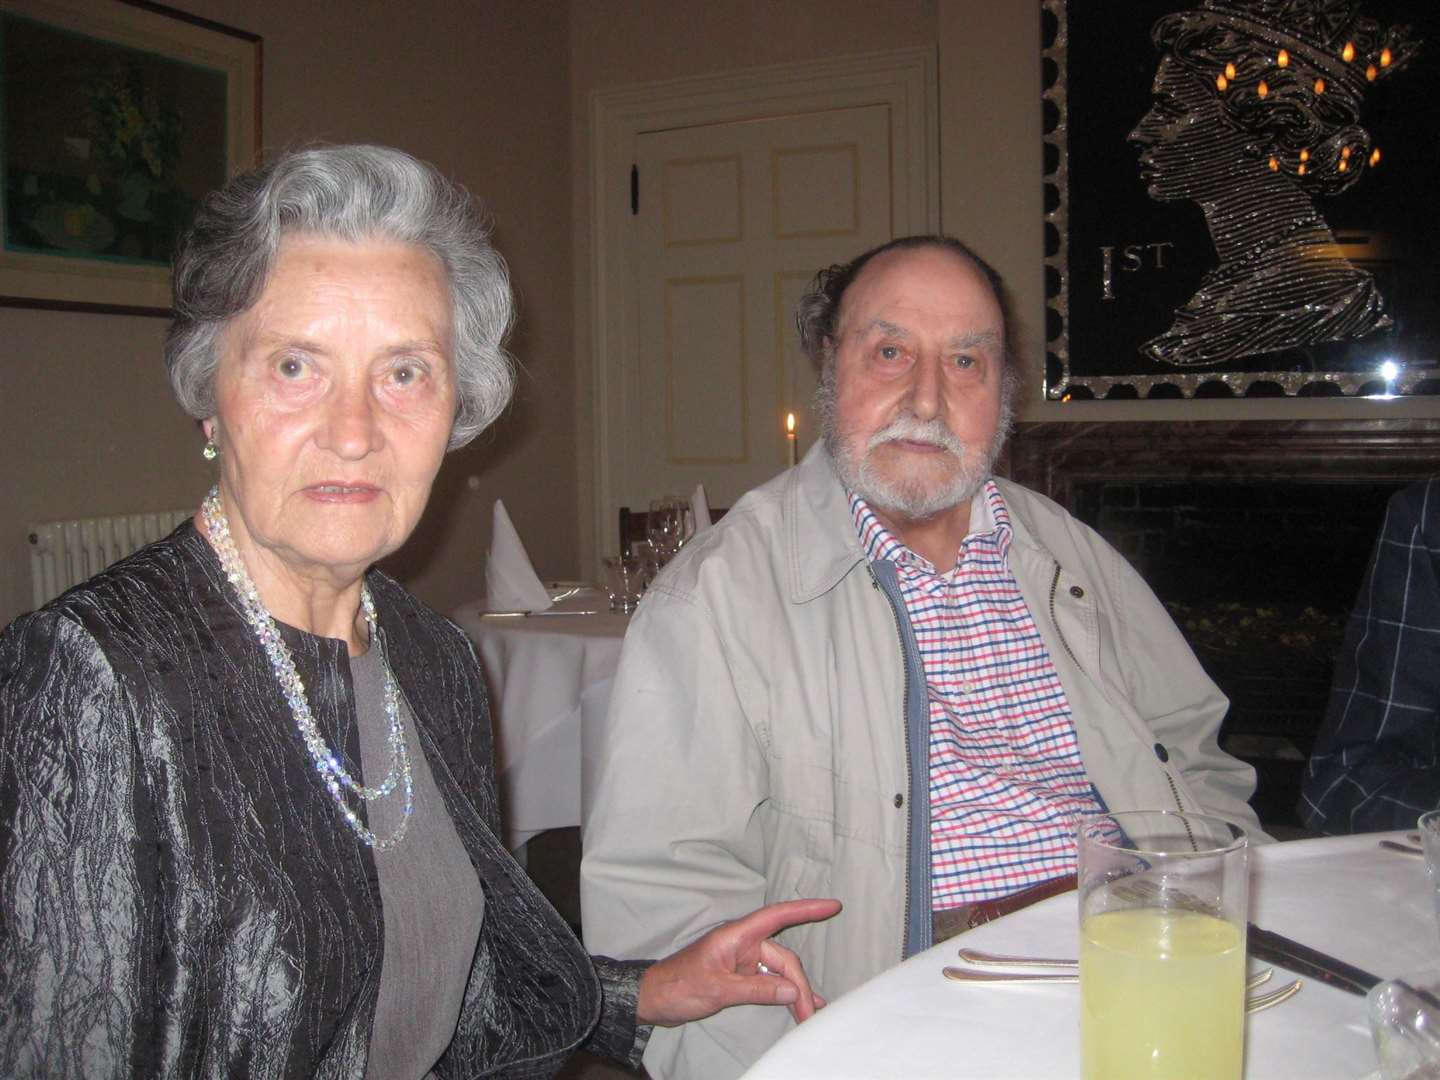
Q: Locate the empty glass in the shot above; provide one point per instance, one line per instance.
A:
(644, 551)
(669, 525)
(1429, 825)
(624, 582)
(1405, 1023)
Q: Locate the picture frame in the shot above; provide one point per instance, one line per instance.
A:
(1153, 293)
(116, 118)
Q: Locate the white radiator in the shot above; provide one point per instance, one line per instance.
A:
(65, 553)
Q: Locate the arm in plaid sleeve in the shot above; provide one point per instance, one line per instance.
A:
(1376, 763)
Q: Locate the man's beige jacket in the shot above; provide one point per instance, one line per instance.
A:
(756, 746)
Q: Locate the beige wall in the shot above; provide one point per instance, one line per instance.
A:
(478, 88)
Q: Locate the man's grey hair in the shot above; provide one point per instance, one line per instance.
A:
(355, 194)
(817, 316)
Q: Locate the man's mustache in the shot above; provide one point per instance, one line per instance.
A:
(913, 429)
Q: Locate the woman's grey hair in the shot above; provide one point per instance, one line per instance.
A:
(351, 193)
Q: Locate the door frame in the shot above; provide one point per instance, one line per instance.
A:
(904, 79)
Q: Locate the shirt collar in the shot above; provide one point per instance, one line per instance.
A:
(989, 523)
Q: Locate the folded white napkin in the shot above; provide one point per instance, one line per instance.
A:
(511, 583)
(700, 508)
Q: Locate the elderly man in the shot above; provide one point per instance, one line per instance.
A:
(885, 676)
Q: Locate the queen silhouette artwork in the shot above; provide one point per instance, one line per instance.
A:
(1256, 115)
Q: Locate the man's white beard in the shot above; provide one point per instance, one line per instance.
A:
(913, 497)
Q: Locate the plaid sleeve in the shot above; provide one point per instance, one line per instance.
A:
(1376, 763)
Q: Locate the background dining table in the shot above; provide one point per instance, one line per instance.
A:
(1348, 896)
(549, 677)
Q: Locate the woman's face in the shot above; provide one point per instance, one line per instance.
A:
(1188, 149)
(334, 396)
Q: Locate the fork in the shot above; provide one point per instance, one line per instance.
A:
(1252, 1004)
(981, 959)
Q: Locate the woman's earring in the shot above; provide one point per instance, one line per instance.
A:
(211, 451)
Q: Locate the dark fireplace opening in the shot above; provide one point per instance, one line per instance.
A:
(1260, 575)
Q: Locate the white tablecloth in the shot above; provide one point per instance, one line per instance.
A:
(549, 678)
(1344, 895)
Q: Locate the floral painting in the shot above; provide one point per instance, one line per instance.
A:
(106, 147)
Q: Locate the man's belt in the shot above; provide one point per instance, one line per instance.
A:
(957, 920)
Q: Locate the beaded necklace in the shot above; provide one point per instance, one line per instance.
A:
(328, 766)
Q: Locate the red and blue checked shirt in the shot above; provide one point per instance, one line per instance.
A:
(1006, 780)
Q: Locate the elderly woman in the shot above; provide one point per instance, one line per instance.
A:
(249, 814)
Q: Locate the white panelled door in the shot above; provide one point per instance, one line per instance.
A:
(733, 221)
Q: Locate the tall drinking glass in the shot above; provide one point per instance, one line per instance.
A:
(1429, 826)
(1162, 946)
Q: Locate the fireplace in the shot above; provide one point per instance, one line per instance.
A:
(1256, 535)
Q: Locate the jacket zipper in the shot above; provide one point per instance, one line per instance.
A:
(1055, 584)
(1175, 794)
(909, 763)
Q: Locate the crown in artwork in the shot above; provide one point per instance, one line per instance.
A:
(1332, 36)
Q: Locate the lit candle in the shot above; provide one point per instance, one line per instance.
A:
(790, 435)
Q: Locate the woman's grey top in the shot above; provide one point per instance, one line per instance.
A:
(430, 898)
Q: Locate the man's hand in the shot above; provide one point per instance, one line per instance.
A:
(734, 964)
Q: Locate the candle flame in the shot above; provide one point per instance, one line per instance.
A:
(790, 423)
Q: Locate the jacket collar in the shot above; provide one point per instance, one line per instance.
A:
(820, 543)
(1022, 528)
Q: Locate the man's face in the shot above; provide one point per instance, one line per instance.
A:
(917, 409)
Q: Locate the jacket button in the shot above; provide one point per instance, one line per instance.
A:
(1076, 591)
(1162, 753)
(899, 801)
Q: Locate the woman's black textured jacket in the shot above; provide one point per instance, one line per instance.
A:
(178, 894)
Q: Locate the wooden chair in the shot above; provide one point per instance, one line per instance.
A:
(634, 525)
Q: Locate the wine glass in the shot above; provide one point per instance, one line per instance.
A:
(666, 526)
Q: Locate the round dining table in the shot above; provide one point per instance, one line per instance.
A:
(1350, 897)
(549, 675)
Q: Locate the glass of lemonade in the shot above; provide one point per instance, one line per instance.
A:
(1162, 946)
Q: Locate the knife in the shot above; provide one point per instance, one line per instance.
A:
(1277, 949)
(520, 613)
